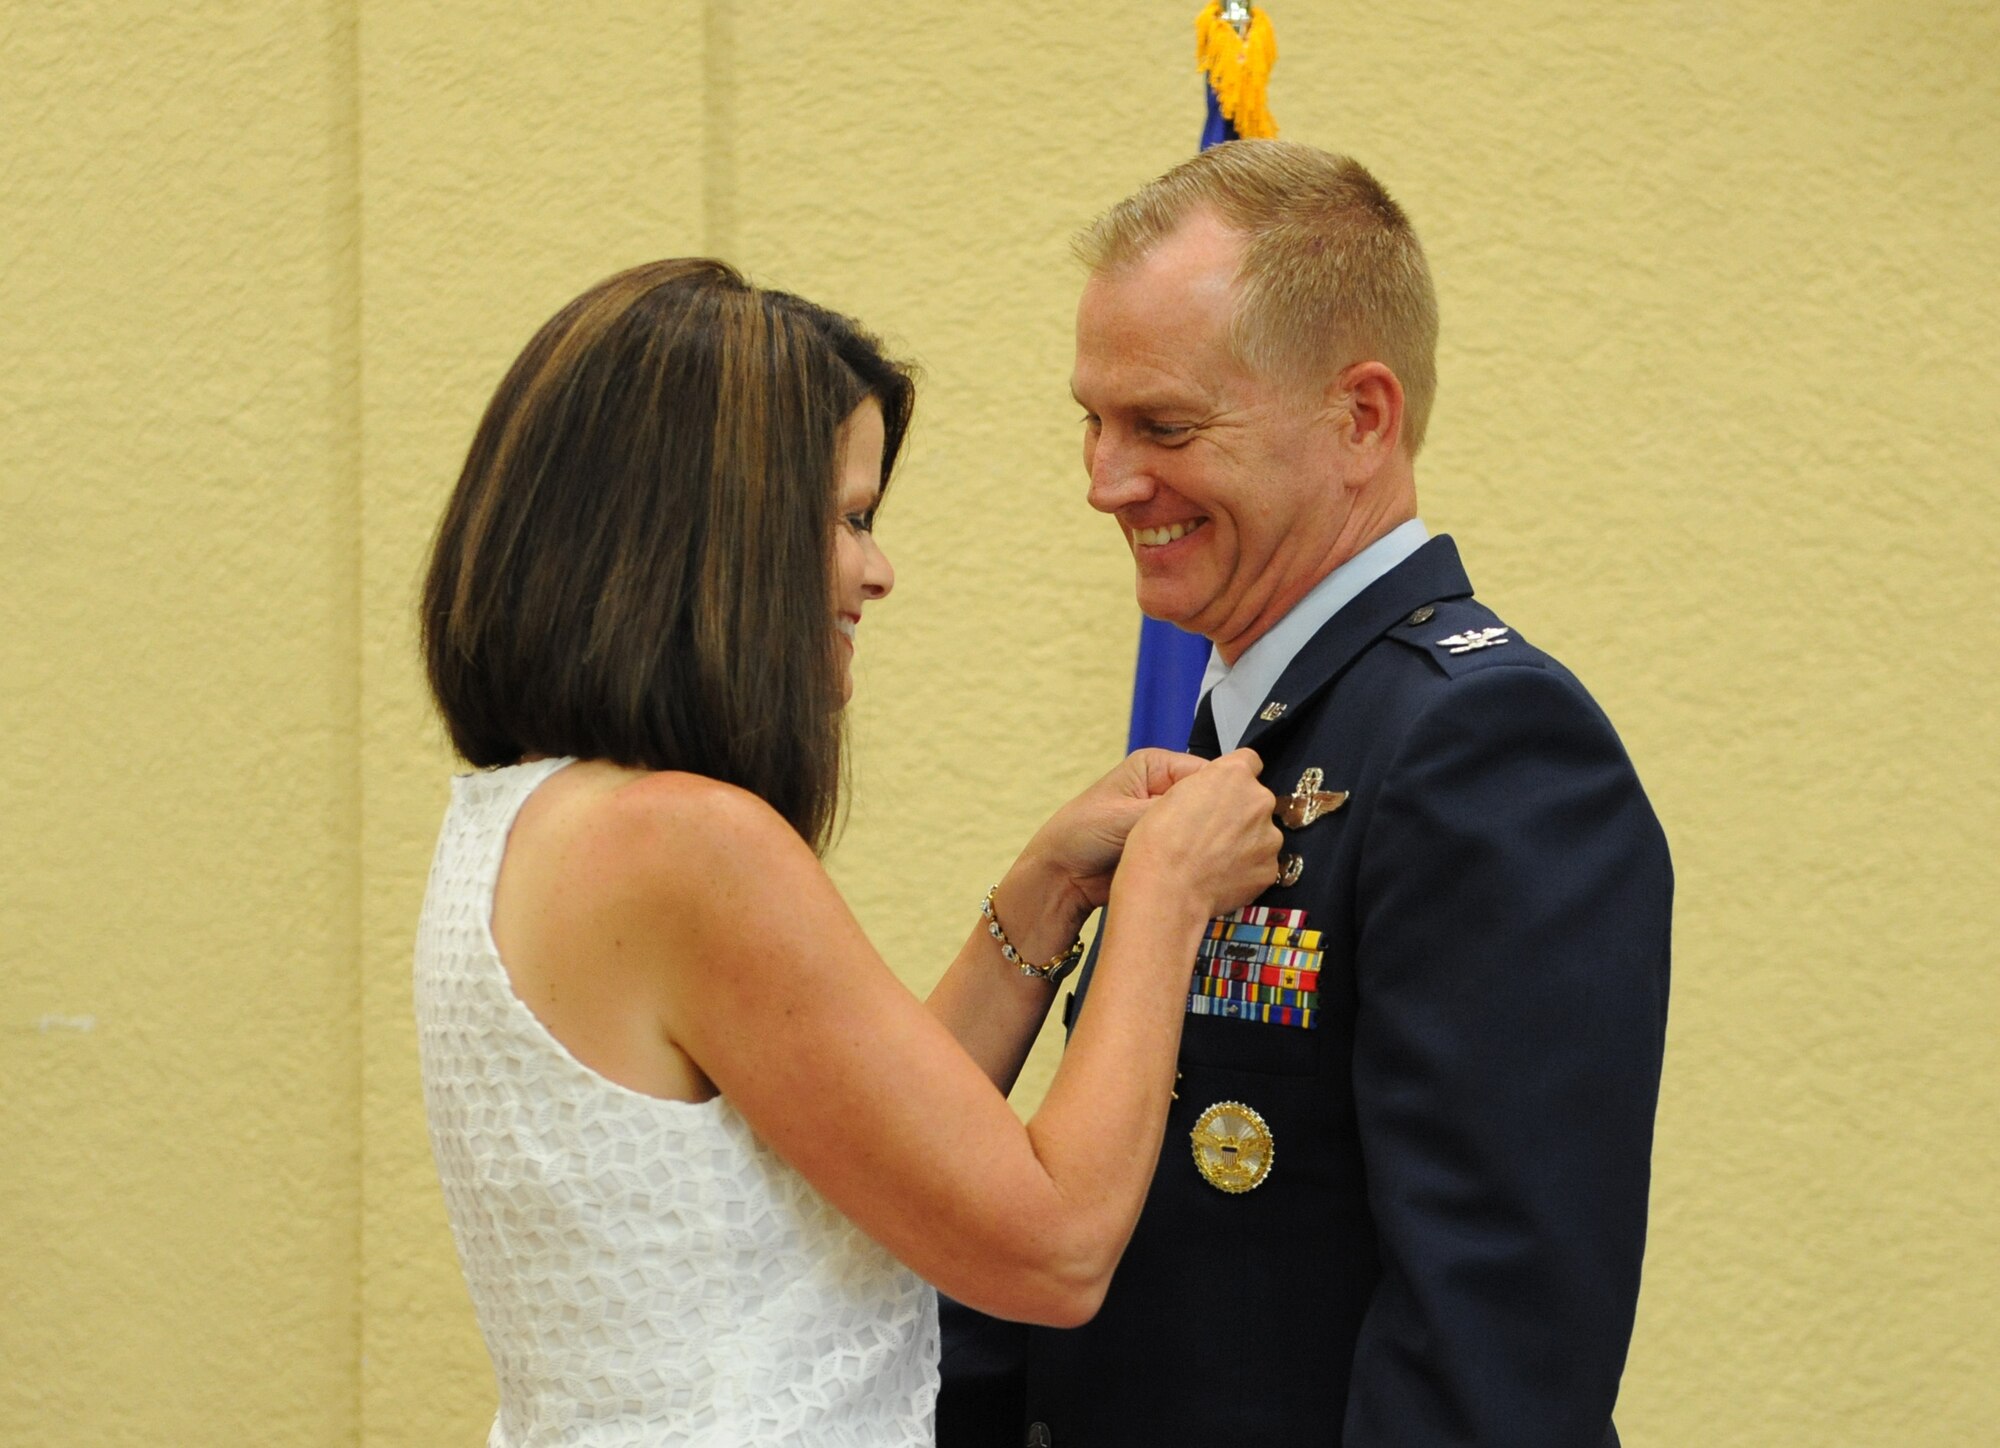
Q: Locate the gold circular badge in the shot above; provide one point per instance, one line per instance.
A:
(1232, 1147)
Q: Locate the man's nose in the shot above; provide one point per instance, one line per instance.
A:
(1117, 478)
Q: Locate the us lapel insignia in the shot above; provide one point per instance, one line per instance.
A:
(1472, 640)
(1272, 711)
(1232, 1147)
(1307, 801)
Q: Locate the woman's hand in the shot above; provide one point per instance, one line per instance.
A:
(1211, 841)
(1065, 871)
(1077, 850)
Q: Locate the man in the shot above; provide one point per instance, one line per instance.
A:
(1402, 1197)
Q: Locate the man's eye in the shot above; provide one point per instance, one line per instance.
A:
(1167, 431)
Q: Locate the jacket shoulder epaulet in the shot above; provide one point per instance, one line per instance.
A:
(1461, 635)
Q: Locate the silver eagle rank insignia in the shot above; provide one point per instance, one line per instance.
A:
(1472, 640)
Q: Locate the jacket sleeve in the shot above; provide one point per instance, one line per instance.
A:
(1511, 961)
(982, 1392)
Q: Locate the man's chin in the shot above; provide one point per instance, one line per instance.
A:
(1167, 611)
(1171, 596)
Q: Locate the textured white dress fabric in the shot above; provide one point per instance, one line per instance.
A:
(645, 1272)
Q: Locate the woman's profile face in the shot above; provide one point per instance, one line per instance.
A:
(860, 570)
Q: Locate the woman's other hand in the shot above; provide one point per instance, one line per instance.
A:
(1077, 851)
(1210, 840)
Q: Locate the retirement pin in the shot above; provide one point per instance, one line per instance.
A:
(1308, 802)
(1232, 1147)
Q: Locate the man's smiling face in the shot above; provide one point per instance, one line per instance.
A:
(1226, 483)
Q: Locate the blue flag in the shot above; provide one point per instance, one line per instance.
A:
(1165, 686)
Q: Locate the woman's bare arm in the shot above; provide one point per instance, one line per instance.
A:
(768, 983)
(1044, 899)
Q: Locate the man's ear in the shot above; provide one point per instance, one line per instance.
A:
(1373, 400)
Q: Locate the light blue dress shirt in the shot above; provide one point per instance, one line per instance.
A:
(1239, 689)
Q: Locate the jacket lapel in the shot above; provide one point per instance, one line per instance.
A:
(1429, 575)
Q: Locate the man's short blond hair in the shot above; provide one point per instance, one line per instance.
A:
(1332, 272)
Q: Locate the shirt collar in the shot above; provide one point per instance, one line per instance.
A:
(1237, 689)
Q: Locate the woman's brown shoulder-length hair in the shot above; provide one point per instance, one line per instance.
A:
(636, 562)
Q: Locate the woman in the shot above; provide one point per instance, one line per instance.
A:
(701, 1149)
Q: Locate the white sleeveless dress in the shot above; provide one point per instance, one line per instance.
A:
(645, 1272)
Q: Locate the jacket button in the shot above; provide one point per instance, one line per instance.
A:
(1422, 615)
(1038, 1436)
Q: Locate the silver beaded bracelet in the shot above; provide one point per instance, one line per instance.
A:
(1053, 972)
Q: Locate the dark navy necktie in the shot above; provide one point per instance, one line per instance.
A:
(1202, 739)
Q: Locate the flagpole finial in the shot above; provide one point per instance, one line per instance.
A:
(1237, 56)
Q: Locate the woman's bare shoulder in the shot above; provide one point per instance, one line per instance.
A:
(696, 811)
(672, 832)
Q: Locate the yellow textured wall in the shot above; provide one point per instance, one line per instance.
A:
(1721, 391)
(179, 965)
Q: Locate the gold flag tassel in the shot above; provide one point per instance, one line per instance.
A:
(1239, 68)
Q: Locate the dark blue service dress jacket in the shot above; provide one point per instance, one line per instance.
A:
(1443, 1249)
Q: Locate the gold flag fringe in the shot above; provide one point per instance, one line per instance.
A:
(1239, 68)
